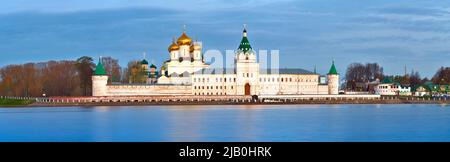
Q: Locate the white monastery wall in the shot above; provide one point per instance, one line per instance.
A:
(145, 90)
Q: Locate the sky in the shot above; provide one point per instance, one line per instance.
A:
(308, 33)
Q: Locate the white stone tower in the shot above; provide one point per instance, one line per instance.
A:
(333, 80)
(99, 80)
(247, 68)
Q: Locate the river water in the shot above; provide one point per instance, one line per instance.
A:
(401, 122)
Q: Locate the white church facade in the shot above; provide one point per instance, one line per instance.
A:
(186, 73)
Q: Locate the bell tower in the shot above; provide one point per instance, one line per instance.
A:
(247, 68)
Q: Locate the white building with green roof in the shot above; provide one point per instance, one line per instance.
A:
(388, 87)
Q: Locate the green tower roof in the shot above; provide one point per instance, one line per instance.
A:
(333, 69)
(100, 70)
(144, 62)
(387, 80)
(245, 44)
(152, 66)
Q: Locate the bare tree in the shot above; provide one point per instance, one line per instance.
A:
(52, 78)
(373, 71)
(358, 73)
(355, 73)
(414, 79)
(442, 76)
(112, 68)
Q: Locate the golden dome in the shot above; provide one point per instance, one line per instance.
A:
(184, 40)
(173, 47)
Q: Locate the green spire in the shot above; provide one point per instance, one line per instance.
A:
(333, 70)
(100, 70)
(245, 44)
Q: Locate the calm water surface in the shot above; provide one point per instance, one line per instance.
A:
(228, 123)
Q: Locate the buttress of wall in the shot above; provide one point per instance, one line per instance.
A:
(142, 90)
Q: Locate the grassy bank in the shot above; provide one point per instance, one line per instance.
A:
(14, 102)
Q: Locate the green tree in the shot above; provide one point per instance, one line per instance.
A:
(135, 73)
(85, 66)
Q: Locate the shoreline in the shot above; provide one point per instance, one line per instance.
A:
(222, 100)
(117, 104)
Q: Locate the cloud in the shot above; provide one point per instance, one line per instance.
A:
(52, 6)
(419, 11)
(307, 32)
(391, 35)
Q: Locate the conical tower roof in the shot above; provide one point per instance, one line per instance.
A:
(245, 44)
(100, 69)
(333, 70)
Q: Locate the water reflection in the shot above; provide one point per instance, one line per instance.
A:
(185, 124)
(380, 122)
(213, 123)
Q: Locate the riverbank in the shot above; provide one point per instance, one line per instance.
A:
(317, 102)
(7, 102)
(220, 100)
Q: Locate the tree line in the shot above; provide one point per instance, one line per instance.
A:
(63, 78)
(358, 73)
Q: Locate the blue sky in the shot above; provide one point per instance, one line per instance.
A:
(394, 33)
